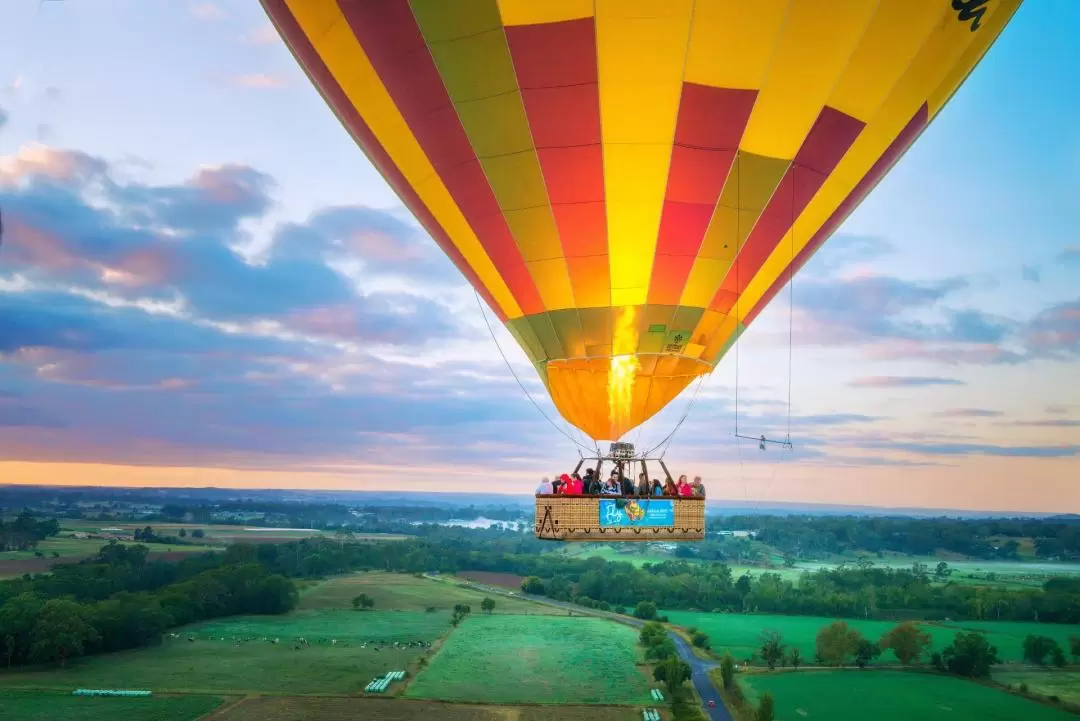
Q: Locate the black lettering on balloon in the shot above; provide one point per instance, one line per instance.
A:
(970, 10)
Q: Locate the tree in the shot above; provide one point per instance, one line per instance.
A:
(652, 633)
(1037, 648)
(700, 639)
(198, 533)
(727, 670)
(363, 601)
(765, 710)
(836, 643)
(487, 605)
(772, 648)
(17, 619)
(907, 642)
(673, 672)
(1057, 656)
(182, 533)
(942, 571)
(645, 610)
(789, 560)
(970, 654)
(62, 631)
(533, 586)
(795, 657)
(865, 652)
(661, 650)
(1074, 647)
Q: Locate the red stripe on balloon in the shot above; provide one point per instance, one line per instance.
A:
(392, 40)
(828, 140)
(707, 134)
(556, 69)
(899, 145)
(336, 98)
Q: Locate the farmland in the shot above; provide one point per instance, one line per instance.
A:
(1048, 682)
(215, 662)
(890, 696)
(39, 706)
(409, 593)
(741, 633)
(342, 709)
(553, 660)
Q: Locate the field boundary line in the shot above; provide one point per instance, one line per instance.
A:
(229, 705)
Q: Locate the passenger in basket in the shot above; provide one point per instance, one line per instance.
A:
(611, 488)
(642, 485)
(684, 487)
(544, 489)
(587, 482)
(627, 486)
(577, 486)
(670, 488)
(556, 485)
(657, 489)
(699, 487)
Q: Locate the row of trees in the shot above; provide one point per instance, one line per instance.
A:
(118, 600)
(995, 538)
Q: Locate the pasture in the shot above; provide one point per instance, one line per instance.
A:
(533, 659)
(1009, 636)
(408, 593)
(890, 696)
(45, 706)
(347, 709)
(217, 665)
(1049, 682)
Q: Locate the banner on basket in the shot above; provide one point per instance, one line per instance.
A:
(634, 512)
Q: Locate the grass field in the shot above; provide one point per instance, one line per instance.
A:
(890, 696)
(522, 659)
(741, 633)
(347, 709)
(43, 706)
(409, 593)
(1063, 684)
(218, 666)
(69, 548)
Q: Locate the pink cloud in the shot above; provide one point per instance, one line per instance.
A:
(258, 81)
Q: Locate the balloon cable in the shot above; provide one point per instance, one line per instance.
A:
(521, 385)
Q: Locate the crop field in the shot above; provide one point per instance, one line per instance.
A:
(409, 593)
(1063, 684)
(347, 709)
(257, 665)
(508, 581)
(531, 659)
(44, 706)
(891, 696)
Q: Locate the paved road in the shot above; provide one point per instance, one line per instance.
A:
(699, 667)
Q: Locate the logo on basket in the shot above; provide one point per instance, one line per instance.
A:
(634, 512)
(612, 515)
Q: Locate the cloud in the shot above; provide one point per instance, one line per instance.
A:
(981, 449)
(265, 34)
(1057, 409)
(969, 413)
(1070, 255)
(3, 118)
(1055, 332)
(904, 382)
(257, 81)
(844, 250)
(1030, 273)
(206, 11)
(1049, 423)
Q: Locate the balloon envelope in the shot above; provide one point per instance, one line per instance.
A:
(628, 183)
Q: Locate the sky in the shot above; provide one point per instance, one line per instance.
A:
(204, 282)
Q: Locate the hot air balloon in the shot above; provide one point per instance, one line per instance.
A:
(628, 183)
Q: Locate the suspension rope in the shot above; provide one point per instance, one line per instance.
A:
(491, 331)
(689, 406)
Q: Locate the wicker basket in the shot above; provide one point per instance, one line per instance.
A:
(590, 518)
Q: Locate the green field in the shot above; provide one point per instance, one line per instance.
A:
(43, 706)
(1063, 684)
(740, 633)
(529, 659)
(257, 666)
(890, 696)
(81, 547)
(409, 593)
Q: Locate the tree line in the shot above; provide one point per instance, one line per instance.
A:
(119, 600)
(992, 539)
(24, 532)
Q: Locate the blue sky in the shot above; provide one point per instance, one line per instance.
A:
(204, 281)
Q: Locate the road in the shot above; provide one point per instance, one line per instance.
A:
(699, 667)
